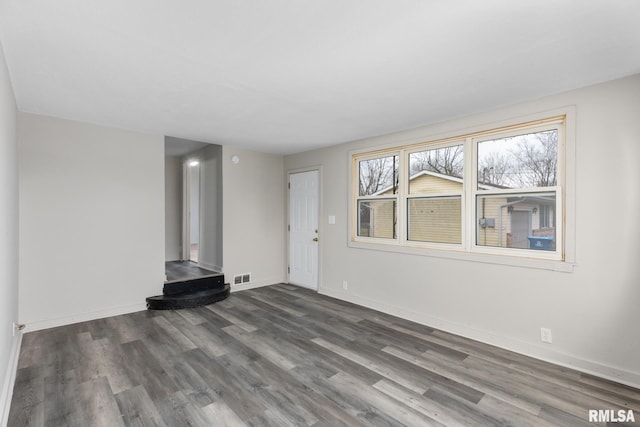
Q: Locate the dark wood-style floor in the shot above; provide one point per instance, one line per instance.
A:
(176, 271)
(283, 356)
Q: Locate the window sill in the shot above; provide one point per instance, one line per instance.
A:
(512, 261)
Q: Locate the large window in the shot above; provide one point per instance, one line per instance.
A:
(434, 199)
(512, 170)
(377, 196)
(498, 192)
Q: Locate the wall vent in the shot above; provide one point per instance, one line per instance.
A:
(239, 279)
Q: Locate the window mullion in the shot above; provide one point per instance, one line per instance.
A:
(403, 173)
(468, 194)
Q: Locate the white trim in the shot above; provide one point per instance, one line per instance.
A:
(300, 285)
(519, 259)
(570, 183)
(83, 317)
(537, 351)
(10, 379)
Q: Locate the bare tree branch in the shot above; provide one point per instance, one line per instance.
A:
(376, 174)
(446, 161)
(494, 169)
(537, 160)
(520, 162)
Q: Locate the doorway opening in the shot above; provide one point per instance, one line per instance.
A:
(191, 205)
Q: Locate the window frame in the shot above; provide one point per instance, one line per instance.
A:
(552, 124)
(561, 259)
(407, 196)
(358, 197)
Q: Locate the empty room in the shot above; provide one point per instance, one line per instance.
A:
(319, 213)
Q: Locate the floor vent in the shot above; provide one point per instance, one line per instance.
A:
(237, 279)
(246, 278)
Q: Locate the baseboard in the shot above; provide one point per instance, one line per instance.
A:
(37, 325)
(577, 363)
(10, 379)
(302, 286)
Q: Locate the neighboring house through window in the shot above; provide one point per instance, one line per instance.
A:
(496, 192)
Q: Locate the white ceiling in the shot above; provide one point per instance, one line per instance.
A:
(286, 76)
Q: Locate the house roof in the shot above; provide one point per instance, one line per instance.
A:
(436, 175)
(287, 76)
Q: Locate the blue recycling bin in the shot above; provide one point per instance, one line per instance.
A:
(542, 243)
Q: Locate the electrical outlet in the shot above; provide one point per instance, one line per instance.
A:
(345, 285)
(545, 335)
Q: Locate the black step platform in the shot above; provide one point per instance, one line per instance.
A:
(193, 285)
(188, 286)
(188, 299)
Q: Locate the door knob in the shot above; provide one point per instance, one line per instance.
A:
(315, 239)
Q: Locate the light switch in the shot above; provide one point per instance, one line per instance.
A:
(332, 219)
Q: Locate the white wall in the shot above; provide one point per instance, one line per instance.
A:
(194, 204)
(593, 312)
(8, 235)
(211, 237)
(172, 208)
(91, 220)
(254, 217)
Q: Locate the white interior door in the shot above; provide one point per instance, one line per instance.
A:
(303, 229)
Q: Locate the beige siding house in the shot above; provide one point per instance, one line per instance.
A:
(435, 214)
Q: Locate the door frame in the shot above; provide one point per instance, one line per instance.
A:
(290, 172)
